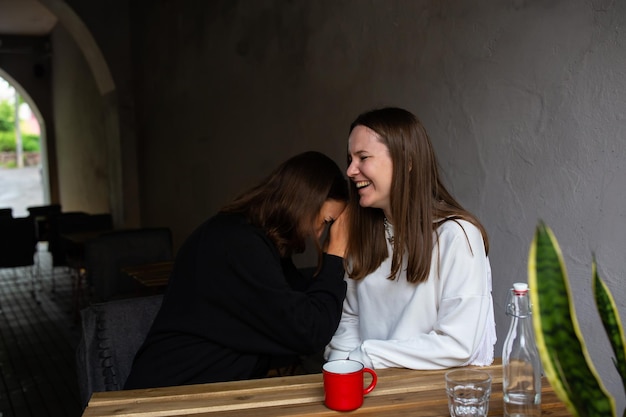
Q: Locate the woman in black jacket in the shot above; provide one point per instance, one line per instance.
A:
(236, 305)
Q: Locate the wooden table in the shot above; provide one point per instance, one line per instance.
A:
(400, 392)
(150, 275)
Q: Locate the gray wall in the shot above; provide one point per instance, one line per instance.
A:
(524, 101)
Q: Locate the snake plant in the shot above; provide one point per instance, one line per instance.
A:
(564, 355)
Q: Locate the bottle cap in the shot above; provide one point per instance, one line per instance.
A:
(520, 288)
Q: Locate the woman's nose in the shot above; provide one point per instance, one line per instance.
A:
(352, 170)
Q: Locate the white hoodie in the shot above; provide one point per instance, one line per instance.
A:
(444, 322)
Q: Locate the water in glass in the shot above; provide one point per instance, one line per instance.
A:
(468, 401)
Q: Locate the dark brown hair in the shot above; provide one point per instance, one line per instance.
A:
(286, 204)
(419, 202)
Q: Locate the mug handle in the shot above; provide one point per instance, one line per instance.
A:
(373, 383)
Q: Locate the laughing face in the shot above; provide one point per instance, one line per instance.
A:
(370, 169)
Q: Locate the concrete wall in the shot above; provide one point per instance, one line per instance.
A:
(81, 142)
(108, 23)
(524, 101)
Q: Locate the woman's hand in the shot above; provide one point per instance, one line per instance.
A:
(338, 236)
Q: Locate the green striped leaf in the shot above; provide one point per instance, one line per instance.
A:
(611, 322)
(564, 356)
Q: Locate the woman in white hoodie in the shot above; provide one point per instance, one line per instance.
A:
(419, 279)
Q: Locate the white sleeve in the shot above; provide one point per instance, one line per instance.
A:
(463, 328)
(347, 336)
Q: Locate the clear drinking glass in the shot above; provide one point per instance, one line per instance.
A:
(468, 392)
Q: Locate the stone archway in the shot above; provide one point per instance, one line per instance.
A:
(86, 43)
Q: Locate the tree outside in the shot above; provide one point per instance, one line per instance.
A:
(19, 141)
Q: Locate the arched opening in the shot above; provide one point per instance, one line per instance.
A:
(20, 199)
(74, 26)
(60, 180)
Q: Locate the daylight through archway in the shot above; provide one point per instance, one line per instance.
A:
(22, 181)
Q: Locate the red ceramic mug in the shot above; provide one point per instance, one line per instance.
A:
(343, 384)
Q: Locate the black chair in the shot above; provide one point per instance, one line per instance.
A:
(88, 227)
(57, 246)
(62, 223)
(112, 333)
(41, 215)
(66, 253)
(18, 244)
(69, 253)
(6, 212)
(107, 254)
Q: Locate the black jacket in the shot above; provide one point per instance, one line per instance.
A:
(231, 313)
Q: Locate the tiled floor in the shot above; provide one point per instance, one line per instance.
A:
(37, 343)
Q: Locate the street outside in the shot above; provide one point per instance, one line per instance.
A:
(20, 188)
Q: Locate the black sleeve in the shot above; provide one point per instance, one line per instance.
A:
(262, 313)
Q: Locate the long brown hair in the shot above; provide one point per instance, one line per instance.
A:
(287, 202)
(419, 202)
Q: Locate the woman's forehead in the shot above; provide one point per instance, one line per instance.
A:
(364, 139)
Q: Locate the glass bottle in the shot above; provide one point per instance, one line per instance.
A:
(521, 364)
